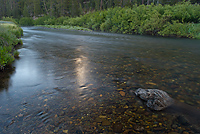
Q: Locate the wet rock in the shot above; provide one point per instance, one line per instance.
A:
(185, 132)
(105, 123)
(156, 99)
(117, 127)
(79, 132)
(195, 128)
(173, 133)
(158, 129)
(108, 111)
(138, 128)
(62, 113)
(174, 126)
(99, 119)
(65, 131)
(128, 132)
(150, 132)
(182, 120)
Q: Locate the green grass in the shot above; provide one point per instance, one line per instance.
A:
(66, 27)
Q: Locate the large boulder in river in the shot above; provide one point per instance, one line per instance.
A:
(156, 99)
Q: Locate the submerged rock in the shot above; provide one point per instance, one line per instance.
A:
(156, 99)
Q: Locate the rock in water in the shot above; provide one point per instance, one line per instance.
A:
(156, 99)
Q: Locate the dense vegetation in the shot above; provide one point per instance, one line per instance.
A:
(180, 20)
(9, 39)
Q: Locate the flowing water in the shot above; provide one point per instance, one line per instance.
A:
(83, 82)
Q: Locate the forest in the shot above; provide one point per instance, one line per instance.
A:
(72, 8)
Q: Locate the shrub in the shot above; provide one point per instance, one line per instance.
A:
(50, 21)
(6, 57)
(60, 20)
(9, 19)
(26, 21)
(178, 20)
(41, 20)
(8, 40)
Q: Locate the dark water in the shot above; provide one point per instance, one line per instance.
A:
(82, 82)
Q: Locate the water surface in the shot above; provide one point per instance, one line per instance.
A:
(82, 82)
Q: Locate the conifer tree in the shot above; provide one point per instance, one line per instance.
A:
(25, 11)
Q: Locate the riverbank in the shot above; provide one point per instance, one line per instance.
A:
(181, 20)
(65, 27)
(9, 40)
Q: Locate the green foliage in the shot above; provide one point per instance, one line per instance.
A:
(16, 54)
(47, 20)
(9, 34)
(5, 57)
(26, 21)
(50, 21)
(25, 11)
(9, 19)
(41, 20)
(60, 20)
(178, 20)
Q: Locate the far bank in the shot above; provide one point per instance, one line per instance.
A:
(181, 20)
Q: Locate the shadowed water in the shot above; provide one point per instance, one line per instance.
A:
(82, 82)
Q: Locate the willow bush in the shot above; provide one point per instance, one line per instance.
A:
(181, 20)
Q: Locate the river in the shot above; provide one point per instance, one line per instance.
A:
(83, 82)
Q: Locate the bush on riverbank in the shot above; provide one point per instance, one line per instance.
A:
(180, 20)
(10, 19)
(47, 20)
(26, 21)
(9, 34)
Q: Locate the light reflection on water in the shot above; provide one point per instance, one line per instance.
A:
(81, 69)
(66, 77)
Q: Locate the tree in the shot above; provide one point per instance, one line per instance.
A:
(37, 7)
(25, 11)
(75, 8)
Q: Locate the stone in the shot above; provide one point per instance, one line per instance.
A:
(117, 127)
(138, 128)
(173, 133)
(182, 120)
(156, 99)
(105, 123)
(99, 119)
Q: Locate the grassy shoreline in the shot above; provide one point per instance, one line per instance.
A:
(9, 40)
(65, 27)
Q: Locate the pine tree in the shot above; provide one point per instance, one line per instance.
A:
(37, 7)
(25, 11)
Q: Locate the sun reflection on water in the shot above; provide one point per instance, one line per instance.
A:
(82, 70)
